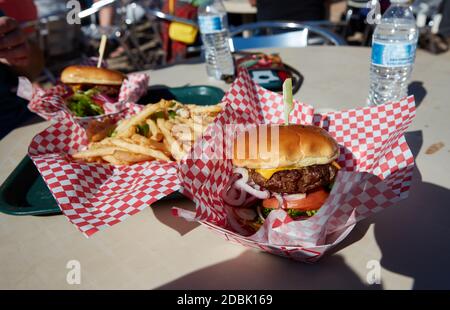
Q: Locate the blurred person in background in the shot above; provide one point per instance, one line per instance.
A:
(106, 15)
(290, 10)
(174, 50)
(106, 18)
(440, 42)
(444, 26)
(18, 56)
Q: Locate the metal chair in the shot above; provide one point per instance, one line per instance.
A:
(281, 34)
(133, 31)
(168, 17)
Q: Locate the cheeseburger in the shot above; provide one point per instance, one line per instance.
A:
(294, 171)
(91, 88)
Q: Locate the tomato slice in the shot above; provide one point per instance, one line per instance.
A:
(270, 203)
(312, 201)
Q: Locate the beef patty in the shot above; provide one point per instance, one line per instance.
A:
(295, 181)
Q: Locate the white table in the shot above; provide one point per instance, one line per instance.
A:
(155, 250)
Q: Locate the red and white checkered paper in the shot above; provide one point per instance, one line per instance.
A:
(376, 160)
(95, 196)
(50, 105)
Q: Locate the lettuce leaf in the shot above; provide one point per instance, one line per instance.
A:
(82, 105)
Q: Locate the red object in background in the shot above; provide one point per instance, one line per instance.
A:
(264, 61)
(283, 75)
(260, 61)
(24, 12)
(176, 50)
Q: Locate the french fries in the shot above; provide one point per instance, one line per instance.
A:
(162, 131)
(139, 149)
(113, 160)
(156, 133)
(212, 109)
(131, 158)
(124, 128)
(151, 143)
(175, 148)
(96, 152)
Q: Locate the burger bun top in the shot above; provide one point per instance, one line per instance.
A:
(298, 146)
(91, 75)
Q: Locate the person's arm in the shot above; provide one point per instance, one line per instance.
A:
(34, 66)
(16, 51)
(106, 16)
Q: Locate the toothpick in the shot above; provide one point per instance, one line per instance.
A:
(287, 99)
(101, 50)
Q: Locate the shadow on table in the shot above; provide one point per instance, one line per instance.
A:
(256, 270)
(33, 119)
(414, 237)
(251, 269)
(416, 88)
(163, 212)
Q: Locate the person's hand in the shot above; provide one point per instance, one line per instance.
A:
(252, 2)
(14, 48)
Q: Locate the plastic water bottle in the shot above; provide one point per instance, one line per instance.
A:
(393, 52)
(212, 19)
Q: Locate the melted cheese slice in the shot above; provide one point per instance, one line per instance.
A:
(336, 165)
(76, 87)
(267, 173)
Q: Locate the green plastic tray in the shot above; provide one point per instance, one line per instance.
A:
(201, 95)
(24, 192)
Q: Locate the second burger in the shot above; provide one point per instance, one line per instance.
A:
(91, 88)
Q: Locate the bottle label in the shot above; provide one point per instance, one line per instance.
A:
(393, 54)
(210, 23)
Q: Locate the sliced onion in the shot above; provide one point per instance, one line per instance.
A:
(245, 187)
(233, 179)
(249, 201)
(234, 201)
(231, 195)
(235, 183)
(233, 192)
(294, 196)
(258, 210)
(246, 214)
(103, 98)
(68, 93)
(243, 172)
(279, 199)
